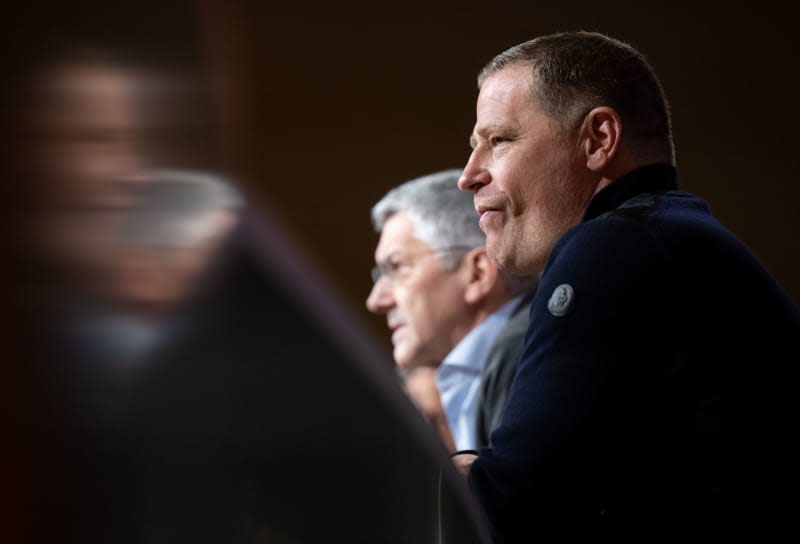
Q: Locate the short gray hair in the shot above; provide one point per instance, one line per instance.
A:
(443, 215)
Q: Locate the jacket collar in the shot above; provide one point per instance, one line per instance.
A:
(654, 178)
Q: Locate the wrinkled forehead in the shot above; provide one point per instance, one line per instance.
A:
(504, 103)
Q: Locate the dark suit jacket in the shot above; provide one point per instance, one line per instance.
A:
(499, 371)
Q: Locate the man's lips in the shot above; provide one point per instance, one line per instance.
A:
(489, 214)
(396, 330)
(484, 208)
(394, 325)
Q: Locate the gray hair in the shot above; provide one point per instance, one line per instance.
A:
(443, 215)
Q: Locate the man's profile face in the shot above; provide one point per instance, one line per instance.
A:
(424, 303)
(527, 173)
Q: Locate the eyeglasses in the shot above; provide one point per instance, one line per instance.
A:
(398, 263)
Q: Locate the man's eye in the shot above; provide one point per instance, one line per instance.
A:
(497, 140)
(392, 267)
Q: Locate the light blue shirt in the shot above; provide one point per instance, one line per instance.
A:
(459, 376)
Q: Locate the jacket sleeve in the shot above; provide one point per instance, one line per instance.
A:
(501, 365)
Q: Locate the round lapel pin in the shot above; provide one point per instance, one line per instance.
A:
(562, 300)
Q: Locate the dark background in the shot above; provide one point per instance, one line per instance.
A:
(322, 107)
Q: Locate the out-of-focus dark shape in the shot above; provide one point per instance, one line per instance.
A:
(259, 420)
(117, 215)
(186, 377)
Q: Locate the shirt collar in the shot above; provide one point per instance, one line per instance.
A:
(472, 350)
(654, 178)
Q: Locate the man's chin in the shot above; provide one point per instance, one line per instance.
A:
(507, 260)
(496, 252)
(402, 360)
(407, 363)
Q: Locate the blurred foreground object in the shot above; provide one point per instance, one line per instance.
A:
(262, 420)
(178, 375)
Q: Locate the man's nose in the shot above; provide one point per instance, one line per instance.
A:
(474, 176)
(380, 299)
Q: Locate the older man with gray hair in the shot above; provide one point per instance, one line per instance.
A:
(457, 321)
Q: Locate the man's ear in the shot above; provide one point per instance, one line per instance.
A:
(601, 135)
(481, 275)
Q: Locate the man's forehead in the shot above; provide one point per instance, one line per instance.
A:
(397, 235)
(505, 102)
(504, 88)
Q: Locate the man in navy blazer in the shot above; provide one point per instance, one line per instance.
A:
(650, 402)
